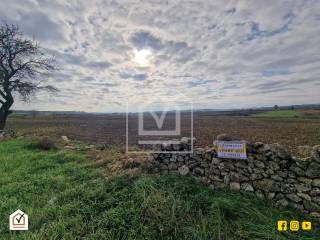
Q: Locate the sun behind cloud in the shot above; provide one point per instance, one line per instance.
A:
(142, 57)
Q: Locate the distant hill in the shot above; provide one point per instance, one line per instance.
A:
(33, 112)
(239, 111)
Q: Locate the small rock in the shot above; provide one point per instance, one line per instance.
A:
(287, 188)
(219, 185)
(293, 197)
(316, 153)
(271, 195)
(316, 182)
(266, 185)
(185, 140)
(296, 206)
(259, 164)
(315, 192)
(235, 177)
(89, 147)
(199, 151)
(163, 167)
(258, 145)
(269, 172)
(310, 206)
(297, 170)
(280, 151)
(65, 139)
(260, 194)
(99, 162)
(303, 163)
(304, 196)
(247, 187)
(274, 166)
(172, 166)
(282, 203)
(193, 164)
(314, 170)
(215, 161)
(306, 180)
(261, 147)
(303, 187)
(305, 151)
(215, 178)
(235, 186)
(315, 214)
(316, 200)
(277, 178)
(255, 176)
(166, 146)
(184, 170)
(226, 179)
(69, 147)
(291, 180)
(279, 196)
(199, 171)
(282, 174)
(177, 147)
(226, 137)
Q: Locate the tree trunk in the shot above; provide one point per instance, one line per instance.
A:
(3, 119)
(5, 110)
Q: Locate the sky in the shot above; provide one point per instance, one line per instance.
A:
(209, 54)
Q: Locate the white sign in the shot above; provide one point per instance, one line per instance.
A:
(232, 149)
(18, 221)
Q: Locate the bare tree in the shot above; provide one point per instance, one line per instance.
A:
(22, 63)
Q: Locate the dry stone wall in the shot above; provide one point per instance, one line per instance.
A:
(270, 172)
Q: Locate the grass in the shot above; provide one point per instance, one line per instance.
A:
(67, 198)
(280, 114)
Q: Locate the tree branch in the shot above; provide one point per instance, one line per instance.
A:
(2, 94)
(21, 63)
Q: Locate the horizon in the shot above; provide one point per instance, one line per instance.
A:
(234, 55)
(299, 106)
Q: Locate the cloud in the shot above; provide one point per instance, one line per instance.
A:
(275, 72)
(198, 82)
(137, 77)
(143, 39)
(33, 21)
(97, 64)
(219, 53)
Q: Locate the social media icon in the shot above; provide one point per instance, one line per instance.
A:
(282, 225)
(294, 226)
(306, 225)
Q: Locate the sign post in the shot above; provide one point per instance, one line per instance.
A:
(232, 149)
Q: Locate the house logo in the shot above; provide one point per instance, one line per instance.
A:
(18, 221)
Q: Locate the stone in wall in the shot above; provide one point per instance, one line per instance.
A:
(270, 171)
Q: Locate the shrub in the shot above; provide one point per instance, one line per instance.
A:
(45, 143)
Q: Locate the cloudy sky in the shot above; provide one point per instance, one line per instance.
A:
(216, 54)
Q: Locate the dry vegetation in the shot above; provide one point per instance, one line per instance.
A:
(111, 129)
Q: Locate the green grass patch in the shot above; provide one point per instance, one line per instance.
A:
(66, 198)
(280, 114)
